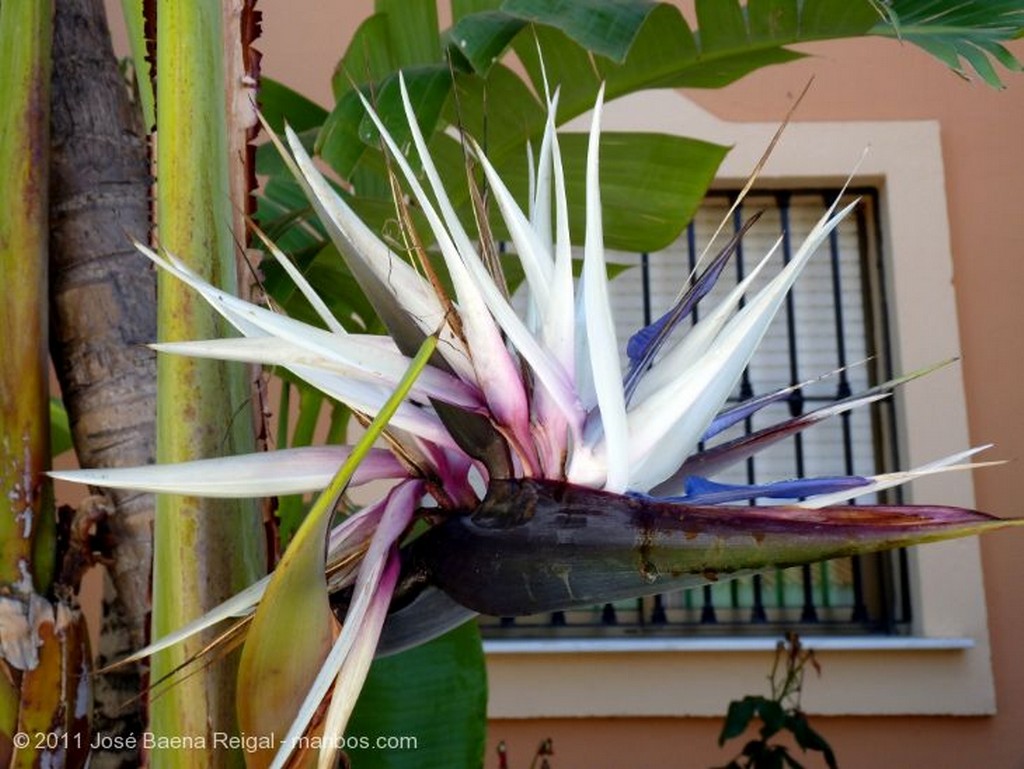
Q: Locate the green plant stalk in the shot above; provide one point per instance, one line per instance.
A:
(27, 522)
(25, 30)
(204, 550)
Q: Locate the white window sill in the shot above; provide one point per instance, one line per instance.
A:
(721, 644)
(645, 678)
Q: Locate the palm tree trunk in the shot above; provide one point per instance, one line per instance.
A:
(103, 314)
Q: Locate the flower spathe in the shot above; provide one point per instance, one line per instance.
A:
(520, 425)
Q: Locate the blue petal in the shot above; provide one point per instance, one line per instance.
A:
(731, 416)
(701, 491)
(645, 343)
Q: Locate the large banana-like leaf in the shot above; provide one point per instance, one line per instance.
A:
(630, 46)
(958, 32)
(432, 697)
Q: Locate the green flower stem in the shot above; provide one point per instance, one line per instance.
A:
(27, 522)
(26, 505)
(204, 550)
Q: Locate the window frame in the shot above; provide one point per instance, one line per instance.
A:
(944, 666)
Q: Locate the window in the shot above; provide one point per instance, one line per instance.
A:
(942, 664)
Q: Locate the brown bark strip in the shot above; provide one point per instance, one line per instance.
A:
(103, 296)
(242, 25)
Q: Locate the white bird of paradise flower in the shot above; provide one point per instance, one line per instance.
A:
(513, 427)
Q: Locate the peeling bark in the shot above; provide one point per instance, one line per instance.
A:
(103, 299)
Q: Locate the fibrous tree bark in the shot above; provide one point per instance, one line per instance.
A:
(103, 300)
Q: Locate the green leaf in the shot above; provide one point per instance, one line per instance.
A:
(428, 88)
(738, 717)
(498, 110)
(774, 717)
(279, 103)
(650, 185)
(958, 32)
(412, 29)
(436, 694)
(368, 58)
(60, 429)
(771, 19)
(660, 51)
(348, 136)
(339, 143)
(808, 739)
(602, 27)
(461, 8)
(481, 38)
(829, 19)
(722, 25)
(568, 67)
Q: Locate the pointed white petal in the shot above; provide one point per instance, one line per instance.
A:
(264, 474)
(540, 201)
(531, 249)
(241, 604)
(952, 463)
(559, 315)
(356, 666)
(368, 399)
(352, 532)
(666, 427)
(531, 177)
(230, 307)
(411, 291)
(558, 329)
(548, 371)
(302, 284)
(496, 371)
(346, 356)
(712, 461)
(686, 352)
(604, 347)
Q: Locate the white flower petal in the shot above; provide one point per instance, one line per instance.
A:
(884, 481)
(686, 352)
(356, 241)
(346, 356)
(318, 304)
(359, 628)
(601, 337)
(666, 427)
(496, 371)
(264, 474)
